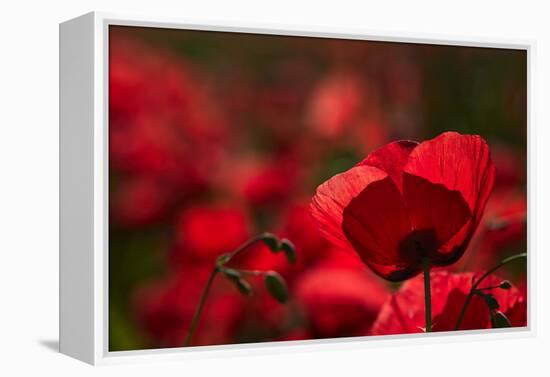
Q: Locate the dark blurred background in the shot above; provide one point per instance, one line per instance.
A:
(215, 137)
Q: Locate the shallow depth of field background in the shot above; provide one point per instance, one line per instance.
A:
(215, 137)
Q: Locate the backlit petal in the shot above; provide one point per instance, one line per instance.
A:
(391, 158)
(436, 213)
(327, 206)
(395, 272)
(376, 222)
(460, 163)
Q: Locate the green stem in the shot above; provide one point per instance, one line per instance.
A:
(427, 294)
(252, 272)
(246, 245)
(488, 288)
(478, 282)
(200, 307)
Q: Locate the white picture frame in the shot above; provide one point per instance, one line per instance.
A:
(84, 192)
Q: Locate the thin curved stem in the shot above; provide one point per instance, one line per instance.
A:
(252, 272)
(200, 307)
(427, 294)
(488, 288)
(463, 310)
(478, 282)
(246, 245)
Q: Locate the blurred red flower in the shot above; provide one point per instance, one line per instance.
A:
(510, 166)
(161, 117)
(260, 257)
(301, 229)
(297, 226)
(164, 309)
(264, 317)
(271, 183)
(503, 228)
(339, 302)
(207, 231)
(403, 312)
(137, 201)
(505, 218)
(346, 108)
(406, 201)
(334, 104)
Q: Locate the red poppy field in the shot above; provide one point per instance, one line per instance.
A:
(273, 188)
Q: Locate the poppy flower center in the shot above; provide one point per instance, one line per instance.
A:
(418, 244)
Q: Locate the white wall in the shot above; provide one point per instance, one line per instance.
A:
(29, 185)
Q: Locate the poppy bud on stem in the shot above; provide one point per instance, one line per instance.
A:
(475, 284)
(275, 281)
(427, 294)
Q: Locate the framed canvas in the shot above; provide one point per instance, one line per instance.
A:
(228, 189)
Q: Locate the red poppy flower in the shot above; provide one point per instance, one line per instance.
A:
(407, 201)
(403, 312)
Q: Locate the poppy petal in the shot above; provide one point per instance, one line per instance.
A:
(436, 213)
(395, 272)
(460, 163)
(376, 221)
(453, 249)
(391, 158)
(327, 206)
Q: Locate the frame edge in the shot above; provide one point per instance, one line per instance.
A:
(76, 194)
